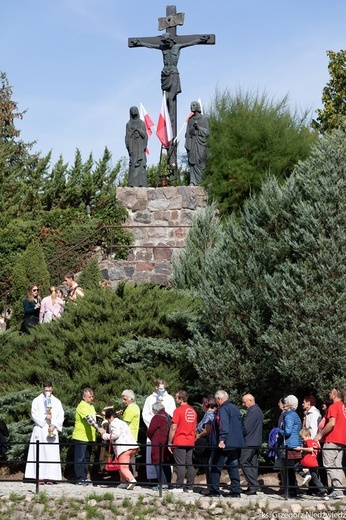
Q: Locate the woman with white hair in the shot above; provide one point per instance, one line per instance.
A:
(291, 427)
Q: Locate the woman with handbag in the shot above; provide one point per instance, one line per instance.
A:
(291, 427)
(124, 446)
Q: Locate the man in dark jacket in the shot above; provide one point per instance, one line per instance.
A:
(253, 423)
(226, 439)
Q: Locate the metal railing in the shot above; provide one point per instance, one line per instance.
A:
(286, 468)
(4, 296)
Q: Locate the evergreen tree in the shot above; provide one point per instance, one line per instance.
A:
(30, 268)
(251, 136)
(273, 298)
(108, 340)
(90, 277)
(333, 114)
(17, 165)
(55, 186)
(190, 267)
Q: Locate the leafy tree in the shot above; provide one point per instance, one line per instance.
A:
(333, 115)
(273, 290)
(251, 136)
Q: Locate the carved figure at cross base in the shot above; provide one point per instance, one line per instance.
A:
(170, 44)
(136, 140)
(197, 131)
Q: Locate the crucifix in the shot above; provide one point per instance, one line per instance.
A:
(170, 44)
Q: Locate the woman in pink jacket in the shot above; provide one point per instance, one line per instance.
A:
(124, 446)
(52, 306)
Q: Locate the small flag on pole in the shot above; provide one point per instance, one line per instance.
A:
(144, 116)
(164, 127)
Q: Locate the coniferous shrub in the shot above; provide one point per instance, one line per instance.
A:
(109, 341)
(251, 136)
(90, 277)
(273, 296)
(31, 268)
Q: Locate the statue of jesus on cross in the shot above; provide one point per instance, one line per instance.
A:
(170, 44)
(170, 79)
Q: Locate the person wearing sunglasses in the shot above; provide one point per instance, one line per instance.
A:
(31, 305)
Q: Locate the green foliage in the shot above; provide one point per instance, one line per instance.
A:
(251, 136)
(108, 340)
(90, 277)
(62, 207)
(190, 266)
(30, 268)
(273, 287)
(17, 165)
(93, 334)
(162, 171)
(333, 114)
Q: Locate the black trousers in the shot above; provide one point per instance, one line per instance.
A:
(249, 464)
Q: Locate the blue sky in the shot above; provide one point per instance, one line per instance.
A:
(69, 64)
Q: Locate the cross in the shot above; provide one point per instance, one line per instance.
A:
(170, 44)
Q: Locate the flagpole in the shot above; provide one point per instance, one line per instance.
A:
(176, 138)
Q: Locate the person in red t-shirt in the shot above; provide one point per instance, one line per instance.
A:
(335, 441)
(308, 465)
(181, 440)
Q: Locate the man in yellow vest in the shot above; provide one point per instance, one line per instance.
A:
(84, 435)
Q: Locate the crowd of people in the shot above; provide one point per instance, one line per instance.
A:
(222, 439)
(37, 310)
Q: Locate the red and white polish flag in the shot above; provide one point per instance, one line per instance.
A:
(164, 126)
(144, 116)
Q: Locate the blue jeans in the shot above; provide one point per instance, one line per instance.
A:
(218, 459)
(82, 455)
(165, 474)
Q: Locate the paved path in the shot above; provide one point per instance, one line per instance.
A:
(73, 491)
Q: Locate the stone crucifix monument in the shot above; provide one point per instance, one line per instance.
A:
(170, 44)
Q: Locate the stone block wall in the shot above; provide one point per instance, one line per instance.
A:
(159, 219)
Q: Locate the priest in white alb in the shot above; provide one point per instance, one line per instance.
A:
(48, 415)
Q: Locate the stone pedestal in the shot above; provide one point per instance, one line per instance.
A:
(159, 219)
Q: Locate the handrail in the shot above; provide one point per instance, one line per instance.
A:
(162, 463)
(119, 226)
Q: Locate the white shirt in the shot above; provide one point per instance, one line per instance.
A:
(312, 419)
(167, 401)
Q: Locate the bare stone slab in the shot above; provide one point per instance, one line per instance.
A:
(158, 204)
(143, 217)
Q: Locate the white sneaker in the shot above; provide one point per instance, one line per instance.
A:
(178, 490)
(131, 484)
(122, 485)
(189, 490)
(336, 494)
(306, 479)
